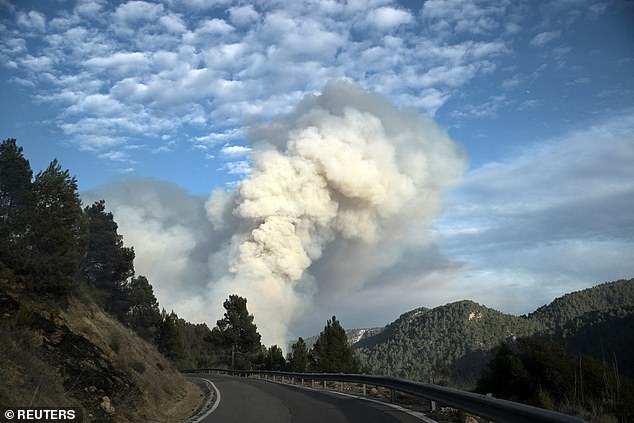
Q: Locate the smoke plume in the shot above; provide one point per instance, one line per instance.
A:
(337, 211)
(345, 176)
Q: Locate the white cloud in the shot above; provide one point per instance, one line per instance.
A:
(460, 16)
(233, 151)
(386, 18)
(217, 137)
(116, 156)
(453, 76)
(486, 109)
(544, 38)
(97, 104)
(121, 63)
(33, 21)
(37, 64)
(173, 23)
(135, 11)
(87, 142)
(241, 167)
(89, 9)
(208, 32)
(513, 82)
(243, 15)
(157, 68)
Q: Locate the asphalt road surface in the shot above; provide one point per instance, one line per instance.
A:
(259, 401)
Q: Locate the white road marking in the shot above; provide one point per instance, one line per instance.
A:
(216, 403)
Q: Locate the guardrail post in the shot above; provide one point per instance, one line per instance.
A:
(490, 395)
(302, 381)
(324, 383)
(392, 396)
(312, 383)
(364, 392)
(433, 405)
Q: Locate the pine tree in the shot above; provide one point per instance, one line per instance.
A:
(107, 264)
(275, 359)
(58, 237)
(17, 205)
(298, 357)
(170, 339)
(331, 352)
(236, 335)
(142, 314)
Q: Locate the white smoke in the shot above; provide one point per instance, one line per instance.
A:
(344, 167)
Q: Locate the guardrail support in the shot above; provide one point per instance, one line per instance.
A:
(364, 392)
(324, 383)
(392, 396)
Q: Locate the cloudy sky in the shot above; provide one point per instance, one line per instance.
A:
(153, 105)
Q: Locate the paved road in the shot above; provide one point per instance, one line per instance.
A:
(252, 400)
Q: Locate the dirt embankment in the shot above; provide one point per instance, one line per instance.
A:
(76, 355)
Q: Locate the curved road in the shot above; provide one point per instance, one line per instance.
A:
(255, 400)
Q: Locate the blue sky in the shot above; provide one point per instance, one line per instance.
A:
(538, 93)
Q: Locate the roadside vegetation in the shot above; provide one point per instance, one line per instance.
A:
(541, 373)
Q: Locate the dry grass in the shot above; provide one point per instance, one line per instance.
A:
(77, 355)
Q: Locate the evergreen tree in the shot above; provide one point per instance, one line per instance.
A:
(275, 359)
(542, 373)
(142, 314)
(200, 352)
(107, 264)
(298, 357)
(170, 339)
(331, 352)
(58, 236)
(17, 204)
(236, 335)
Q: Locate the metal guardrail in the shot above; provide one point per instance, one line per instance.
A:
(494, 409)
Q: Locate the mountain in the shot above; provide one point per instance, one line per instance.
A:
(422, 344)
(611, 296)
(452, 343)
(76, 355)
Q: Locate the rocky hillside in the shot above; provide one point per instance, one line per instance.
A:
(75, 355)
(452, 343)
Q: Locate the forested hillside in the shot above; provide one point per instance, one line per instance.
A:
(617, 297)
(452, 343)
(605, 335)
(423, 344)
